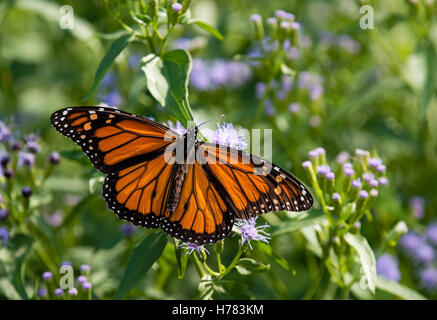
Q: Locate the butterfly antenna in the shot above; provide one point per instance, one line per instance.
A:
(216, 118)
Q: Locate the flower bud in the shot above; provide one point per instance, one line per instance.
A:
(259, 29)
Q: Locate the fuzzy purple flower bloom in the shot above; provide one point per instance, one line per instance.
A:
(375, 162)
(255, 17)
(374, 183)
(73, 292)
(293, 107)
(316, 91)
(191, 247)
(26, 159)
(260, 89)
(336, 196)
(357, 183)
(54, 157)
(249, 231)
(424, 253)
(4, 214)
(428, 279)
(330, 175)
(348, 172)
(411, 241)
(112, 98)
(47, 275)
(81, 279)
(85, 268)
(417, 206)
(128, 229)
(368, 176)
(323, 169)
(431, 232)
(4, 235)
(363, 194)
(383, 181)
(388, 267)
(66, 263)
(374, 193)
(269, 108)
(58, 292)
(227, 135)
(306, 164)
(5, 132)
(42, 292)
(87, 286)
(381, 168)
(176, 7)
(281, 14)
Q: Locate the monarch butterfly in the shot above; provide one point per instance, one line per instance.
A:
(194, 199)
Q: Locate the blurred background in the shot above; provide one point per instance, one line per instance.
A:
(372, 89)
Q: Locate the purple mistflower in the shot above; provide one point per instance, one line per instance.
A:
(128, 229)
(112, 98)
(32, 144)
(374, 193)
(85, 268)
(255, 17)
(316, 91)
(87, 285)
(375, 162)
(293, 53)
(342, 157)
(313, 154)
(47, 275)
(66, 263)
(281, 94)
(381, 168)
(281, 14)
(134, 60)
(42, 292)
(424, 253)
(260, 89)
(4, 235)
(26, 159)
(330, 175)
(4, 213)
(272, 20)
(361, 152)
(238, 74)
(320, 150)
(306, 164)
(5, 158)
(289, 16)
(54, 219)
(431, 232)
(295, 25)
(347, 165)
(249, 231)
(374, 183)
(348, 43)
(227, 135)
(336, 196)
(54, 157)
(368, 176)
(199, 77)
(363, 194)
(383, 181)
(417, 206)
(73, 292)
(428, 279)
(176, 7)
(285, 24)
(270, 45)
(108, 80)
(287, 82)
(411, 241)
(388, 267)
(323, 169)
(348, 172)
(191, 247)
(357, 183)
(269, 108)
(5, 132)
(81, 279)
(58, 292)
(293, 107)
(177, 127)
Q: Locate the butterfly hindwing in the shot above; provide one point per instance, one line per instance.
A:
(253, 185)
(201, 216)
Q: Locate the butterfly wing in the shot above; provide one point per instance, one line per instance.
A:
(201, 216)
(253, 185)
(112, 139)
(131, 150)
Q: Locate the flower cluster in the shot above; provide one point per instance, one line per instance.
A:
(50, 287)
(421, 249)
(352, 187)
(249, 231)
(342, 41)
(18, 177)
(218, 74)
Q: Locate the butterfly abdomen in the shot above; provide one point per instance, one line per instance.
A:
(180, 172)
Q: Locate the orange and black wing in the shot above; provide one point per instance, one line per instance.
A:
(201, 216)
(139, 193)
(112, 139)
(131, 150)
(251, 185)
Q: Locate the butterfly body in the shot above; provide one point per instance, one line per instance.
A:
(192, 189)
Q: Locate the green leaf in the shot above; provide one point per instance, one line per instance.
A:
(247, 266)
(140, 262)
(167, 81)
(182, 260)
(75, 155)
(367, 258)
(287, 70)
(207, 27)
(114, 50)
(23, 244)
(206, 288)
(397, 289)
(430, 80)
(316, 216)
